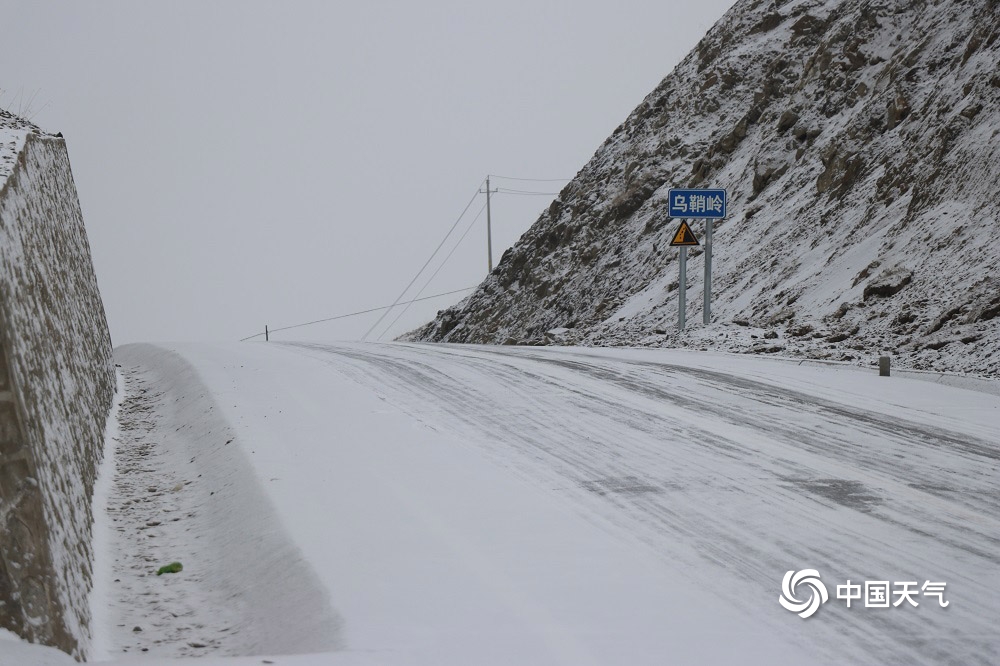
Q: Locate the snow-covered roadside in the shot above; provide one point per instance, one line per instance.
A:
(16, 652)
(100, 593)
(184, 491)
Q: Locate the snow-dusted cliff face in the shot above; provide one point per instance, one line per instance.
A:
(860, 145)
(56, 385)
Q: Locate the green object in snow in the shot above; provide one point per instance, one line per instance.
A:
(173, 567)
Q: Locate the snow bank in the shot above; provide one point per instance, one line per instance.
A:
(185, 491)
(102, 534)
(16, 652)
(56, 384)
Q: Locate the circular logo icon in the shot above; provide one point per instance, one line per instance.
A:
(808, 578)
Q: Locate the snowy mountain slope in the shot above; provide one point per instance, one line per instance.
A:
(860, 145)
(460, 504)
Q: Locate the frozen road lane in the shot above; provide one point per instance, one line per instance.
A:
(623, 506)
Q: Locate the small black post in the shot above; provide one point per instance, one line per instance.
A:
(883, 366)
(267, 336)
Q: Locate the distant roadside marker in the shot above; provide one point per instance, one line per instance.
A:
(883, 366)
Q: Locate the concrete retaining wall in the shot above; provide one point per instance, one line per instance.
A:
(56, 386)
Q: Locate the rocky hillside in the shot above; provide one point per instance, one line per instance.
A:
(860, 145)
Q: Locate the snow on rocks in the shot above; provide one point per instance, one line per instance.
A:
(13, 129)
(859, 146)
(59, 381)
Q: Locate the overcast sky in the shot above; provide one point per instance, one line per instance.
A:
(243, 163)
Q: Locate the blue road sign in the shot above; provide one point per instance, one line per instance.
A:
(702, 204)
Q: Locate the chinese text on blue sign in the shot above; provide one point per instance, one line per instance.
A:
(698, 203)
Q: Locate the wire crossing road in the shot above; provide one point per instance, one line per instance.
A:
(707, 476)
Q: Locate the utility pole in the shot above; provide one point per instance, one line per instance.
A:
(489, 228)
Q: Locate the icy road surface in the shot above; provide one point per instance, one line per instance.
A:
(455, 504)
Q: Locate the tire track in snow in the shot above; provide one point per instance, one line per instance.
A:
(708, 467)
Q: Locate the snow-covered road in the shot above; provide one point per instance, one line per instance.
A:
(455, 504)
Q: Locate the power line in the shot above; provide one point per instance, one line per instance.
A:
(464, 234)
(500, 190)
(532, 180)
(355, 314)
(504, 190)
(427, 263)
(434, 275)
(399, 299)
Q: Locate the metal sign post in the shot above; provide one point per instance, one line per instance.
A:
(682, 288)
(708, 272)
(682, 239)
(709, 205)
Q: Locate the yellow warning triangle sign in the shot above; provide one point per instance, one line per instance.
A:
(684, 236)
